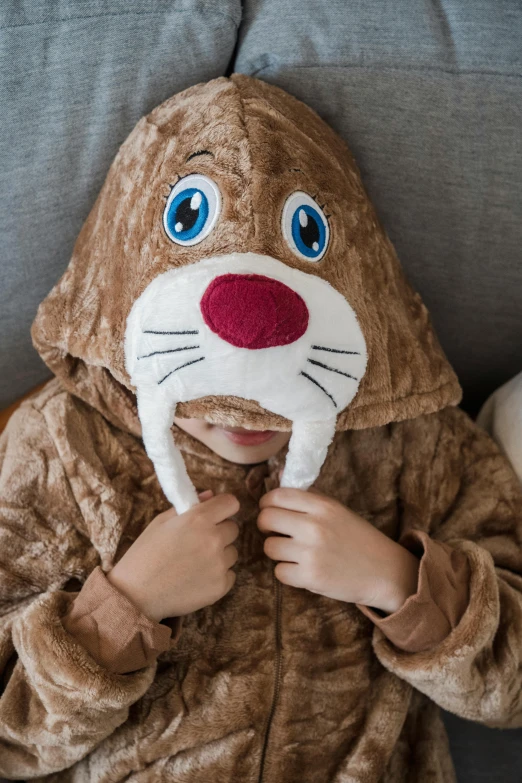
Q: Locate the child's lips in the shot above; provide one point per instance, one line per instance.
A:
(243, 437)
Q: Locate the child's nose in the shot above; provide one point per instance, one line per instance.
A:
(253, 311)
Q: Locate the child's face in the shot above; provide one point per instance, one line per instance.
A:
(236, 444)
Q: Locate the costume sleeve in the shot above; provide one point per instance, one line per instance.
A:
(115, 632)
(473, 668)
(57, 702)
(442, 595)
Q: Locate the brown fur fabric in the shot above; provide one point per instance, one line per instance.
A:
(259, 136)
(77, 487)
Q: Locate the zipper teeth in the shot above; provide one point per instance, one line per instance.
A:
(278, 671)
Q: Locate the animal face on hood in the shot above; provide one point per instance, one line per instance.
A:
(233, 268)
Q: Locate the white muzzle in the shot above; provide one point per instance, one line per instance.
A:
(181, 345)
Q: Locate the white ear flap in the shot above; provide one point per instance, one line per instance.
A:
(156, 422)
(307, 452)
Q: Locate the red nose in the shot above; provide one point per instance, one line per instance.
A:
(253, 311)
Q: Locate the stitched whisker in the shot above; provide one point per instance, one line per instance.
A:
(187, 364)
(332, 369)
(171, 350)
(309, 377)
(334, 350)
(186, 331)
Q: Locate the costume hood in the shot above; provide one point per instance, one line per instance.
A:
(233, 268)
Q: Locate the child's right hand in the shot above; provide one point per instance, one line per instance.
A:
(180, 564)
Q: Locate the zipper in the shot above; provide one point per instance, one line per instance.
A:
(277, 671)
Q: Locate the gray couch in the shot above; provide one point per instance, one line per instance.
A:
(428, 95)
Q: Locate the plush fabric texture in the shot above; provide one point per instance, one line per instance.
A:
(271, 683)
(262, 146)
(265, 145)
(121, 638)
(278, 377)
(253, 311)
(76, 490)
(428, 616)
(111, 628)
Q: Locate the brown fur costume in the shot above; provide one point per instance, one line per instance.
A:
(271, 684)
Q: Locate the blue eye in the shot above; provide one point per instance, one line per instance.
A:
(305, 226)
(308, 231)
(192, 209)
(188, 214)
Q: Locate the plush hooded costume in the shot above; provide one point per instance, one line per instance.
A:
(233, 269)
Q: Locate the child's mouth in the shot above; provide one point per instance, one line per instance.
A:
(245, 437)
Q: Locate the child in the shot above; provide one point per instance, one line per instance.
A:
(231, 286)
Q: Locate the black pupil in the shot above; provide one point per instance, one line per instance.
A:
(185, 214)
(310, 232)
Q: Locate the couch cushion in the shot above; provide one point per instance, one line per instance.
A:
(74, 79)
(429, 97)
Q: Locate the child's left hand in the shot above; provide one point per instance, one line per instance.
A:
(328, 549)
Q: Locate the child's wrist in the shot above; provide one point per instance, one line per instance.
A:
(123, 586)
(399, 582)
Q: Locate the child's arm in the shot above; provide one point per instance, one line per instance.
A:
(452, 586)
(57, 703)
(71, 664)
(475, 505)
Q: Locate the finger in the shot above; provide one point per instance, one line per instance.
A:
(289, 574)
(231, 578)
(228, 530)
(291, 499)
(231, 556)
(281, 548)
(205, 495)
(280, 520)
(217, 508)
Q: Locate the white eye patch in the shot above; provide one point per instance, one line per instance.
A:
(249, 326)
(305, 227)
(192, 209)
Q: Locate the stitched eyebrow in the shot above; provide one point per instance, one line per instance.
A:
(199, 152)
(314, 197)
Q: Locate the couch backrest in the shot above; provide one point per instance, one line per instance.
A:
(429, 97)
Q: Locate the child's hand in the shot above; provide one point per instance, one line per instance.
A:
(335, 552)
(181, 563)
